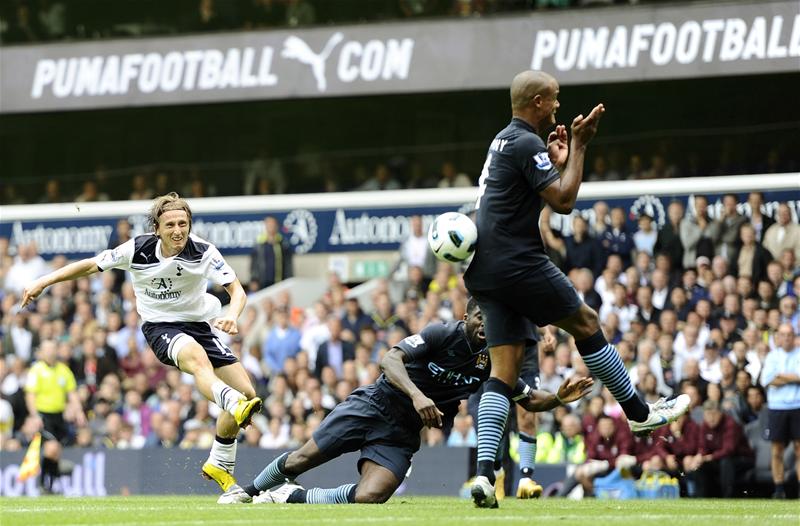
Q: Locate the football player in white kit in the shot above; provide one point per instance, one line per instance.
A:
(170, 269)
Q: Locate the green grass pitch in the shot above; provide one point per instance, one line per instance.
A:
(439, 511)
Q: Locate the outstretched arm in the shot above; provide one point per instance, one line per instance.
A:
(79, 269)
(394, 367)
(562, 194)
(538, 401)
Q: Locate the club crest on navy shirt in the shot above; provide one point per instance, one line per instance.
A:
(482, 361)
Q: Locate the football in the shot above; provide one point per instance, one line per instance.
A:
(452, 237)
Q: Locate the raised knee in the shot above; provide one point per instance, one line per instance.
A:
(369, 496)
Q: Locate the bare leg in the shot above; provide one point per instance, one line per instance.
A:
(777, 462)
(377, 484)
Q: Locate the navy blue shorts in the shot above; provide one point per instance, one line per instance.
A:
(167, 338)
(370, 420)
(783, 425)
(530, 366)
(543, 297)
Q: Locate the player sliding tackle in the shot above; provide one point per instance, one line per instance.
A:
(514, 281)
(170, 270)
(424, 378)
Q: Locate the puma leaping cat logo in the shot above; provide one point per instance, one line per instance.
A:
(295, 48)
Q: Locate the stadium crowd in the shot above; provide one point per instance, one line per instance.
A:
(694, 307)
(264, 174)
(45, 20)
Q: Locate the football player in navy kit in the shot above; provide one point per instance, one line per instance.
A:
(425, 377)
(170, 269)
(511, 276)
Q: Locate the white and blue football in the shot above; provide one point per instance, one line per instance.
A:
(452, 237)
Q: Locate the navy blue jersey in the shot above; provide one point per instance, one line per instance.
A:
(443, 365)
(510, 245)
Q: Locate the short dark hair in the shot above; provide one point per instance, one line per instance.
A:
(472, 306)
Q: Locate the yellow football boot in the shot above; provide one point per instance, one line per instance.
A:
(218, 475)
(245, 409)
(529, 489)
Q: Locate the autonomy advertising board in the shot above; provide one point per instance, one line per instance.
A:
(325, 231)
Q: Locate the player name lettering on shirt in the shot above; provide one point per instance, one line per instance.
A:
(498, 145)
(450, 377)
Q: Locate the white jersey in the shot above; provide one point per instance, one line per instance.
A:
(171, 289)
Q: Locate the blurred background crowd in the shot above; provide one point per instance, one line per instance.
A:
(695, 307)
(46, 20)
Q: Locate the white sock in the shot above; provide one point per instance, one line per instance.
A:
(226, 396)
(223, 455)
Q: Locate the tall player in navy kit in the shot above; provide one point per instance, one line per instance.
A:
(170, 269)
(512, 278)
(424, 378)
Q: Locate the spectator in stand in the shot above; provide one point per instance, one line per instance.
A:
(601, 171)
(760, 222)
(698, 234)
(645, 238)
(783, 234)
(767, 299)
(754, 405)
(565, 446)
(600, 221)
(548, 376)
(265, 171)
(463, 433)
(625, 311)
(788, 272)
(282, 342)
(635, 168)
(729, 224)
(751, 259)
(582, 251)
(91, 193)
(451, 178)
(616, 239)
(335, 351)
(789, 312)
(781, 377)
(661, 290)
(668, 240)
(271, 259)
(353, 320)
(381, 180)
(139, 189)
(583, 281)
(27, 266)
(52, 192)
(609, 441)
(660, 169)
(723, 452)
(414, 250)
(676, 442)
(384, 317)
(646, 312)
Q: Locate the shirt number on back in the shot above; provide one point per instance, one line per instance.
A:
(482, 180)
